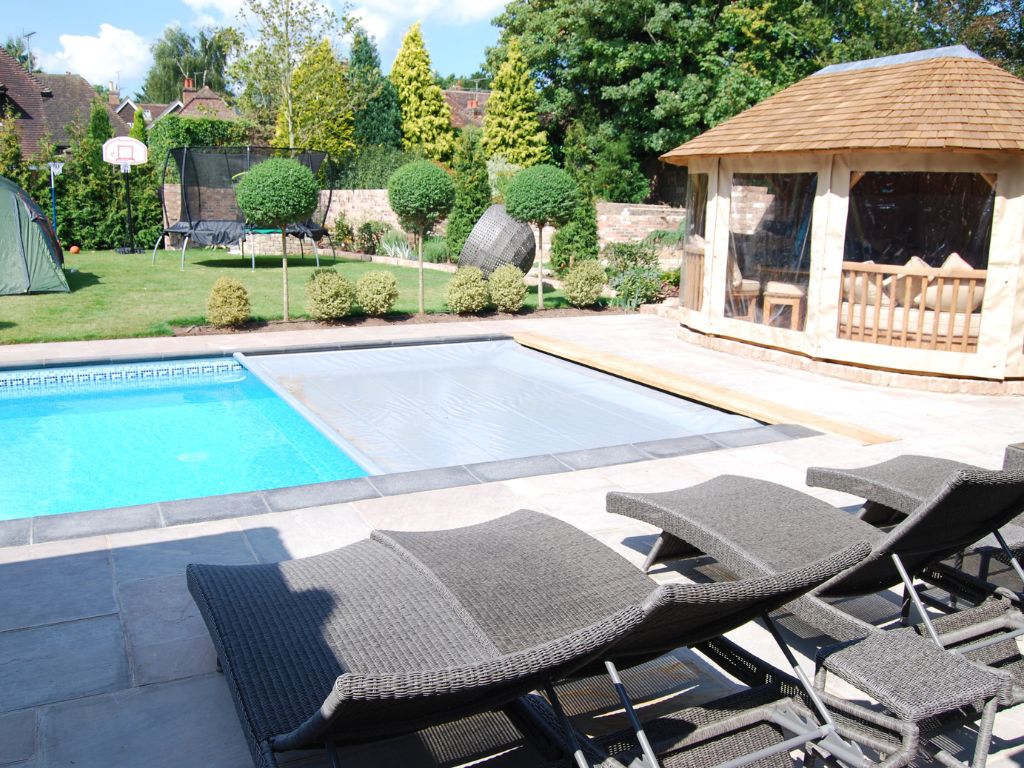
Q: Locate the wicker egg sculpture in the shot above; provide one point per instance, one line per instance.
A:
(498, 239)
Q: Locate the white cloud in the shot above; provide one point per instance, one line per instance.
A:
(228, 9)
(114, 54)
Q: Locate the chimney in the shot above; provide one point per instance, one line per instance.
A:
(113, 94)
(189, 87)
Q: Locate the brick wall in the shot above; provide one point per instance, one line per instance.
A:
(616, 222)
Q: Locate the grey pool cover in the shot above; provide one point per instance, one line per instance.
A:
(438, 405)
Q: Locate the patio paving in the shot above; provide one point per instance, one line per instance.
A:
(104, 660)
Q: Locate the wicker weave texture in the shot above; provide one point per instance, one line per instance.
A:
(496, 240)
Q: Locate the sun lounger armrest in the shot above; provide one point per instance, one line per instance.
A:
(412, 700)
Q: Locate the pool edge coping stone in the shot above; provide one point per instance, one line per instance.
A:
(22, 531)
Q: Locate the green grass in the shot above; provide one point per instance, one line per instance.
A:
(120, 295)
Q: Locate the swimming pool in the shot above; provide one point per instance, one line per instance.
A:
(99, 436)
(92, 437)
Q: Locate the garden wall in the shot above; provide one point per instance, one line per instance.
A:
(616, 222)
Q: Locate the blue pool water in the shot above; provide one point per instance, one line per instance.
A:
(93, 437)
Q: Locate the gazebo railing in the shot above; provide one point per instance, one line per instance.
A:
(919, 307)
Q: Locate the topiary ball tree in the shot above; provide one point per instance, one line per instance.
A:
(421, 194)
(541, 195)
(275, 193)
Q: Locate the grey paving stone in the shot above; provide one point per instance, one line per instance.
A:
(213, 508)
(602, 457)
(61, 662)
(795, 430)
(53, 589)
(423, 480)
(15, 533)
(184, 723)
(740, 438)
(678, 446)
(164, 630)
(95, 522)
(17, 737)
(169, 558)
(491, 471)
(319, 494)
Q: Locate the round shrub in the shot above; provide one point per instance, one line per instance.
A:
(507, 288)
(421, 194)
(467, 291)
(277, 191)
(228, 303)
(583, 283)
(541, 194)
(376, 292)
(328, 295)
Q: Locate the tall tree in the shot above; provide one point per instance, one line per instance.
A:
(511, 127)
(321, 115)
(993, 29)
(426, 118)
(379, 121)
(177, 55)
(286, 29)
(100, 128)
(138, 130)
(19, 50)
(472, 189)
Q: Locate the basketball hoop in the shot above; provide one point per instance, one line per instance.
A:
(124, 152)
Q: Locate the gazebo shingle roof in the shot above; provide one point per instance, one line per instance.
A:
(948, 99)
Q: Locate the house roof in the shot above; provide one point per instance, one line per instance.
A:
(71, 102)
(151, 110)
(46, 104)
(467, 107)
(205, 103)
(942, 99)
(22, 95)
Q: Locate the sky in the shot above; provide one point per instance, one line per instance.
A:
(109, 40)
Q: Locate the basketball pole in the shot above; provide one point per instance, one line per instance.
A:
(126, 172)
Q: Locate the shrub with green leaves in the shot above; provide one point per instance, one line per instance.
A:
(395, 244)
(583, 283)
(328, 295)
(541, 195)
(369, 234)
(370, 167)
(376, 292)
(576, 241)
(507, 287)
(228, 303)
(622, 257)
(467, 291)
(344, 234)
(435, 250)
(635, 286)
(275, 193)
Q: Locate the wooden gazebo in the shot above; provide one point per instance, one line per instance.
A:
(871, 214)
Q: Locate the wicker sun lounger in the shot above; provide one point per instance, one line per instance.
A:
(406, 630)
(755, 528)
(893, 489)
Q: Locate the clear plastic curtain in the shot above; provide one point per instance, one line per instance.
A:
(770, 218)
(691, 273)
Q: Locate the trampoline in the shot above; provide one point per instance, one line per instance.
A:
(208, 212)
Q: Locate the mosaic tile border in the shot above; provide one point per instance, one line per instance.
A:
(31, 382)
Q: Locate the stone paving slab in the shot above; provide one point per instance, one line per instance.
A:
(185, 723)
(17, 737)
(51, 590)
(61, 661)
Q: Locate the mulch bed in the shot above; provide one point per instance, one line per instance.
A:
(368, 322)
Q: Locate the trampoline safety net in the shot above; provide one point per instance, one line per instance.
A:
(208, 212)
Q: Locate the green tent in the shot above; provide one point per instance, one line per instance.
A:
(30, 256)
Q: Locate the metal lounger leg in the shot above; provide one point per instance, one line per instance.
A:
(1014, 563)
(908, 584)
(570, 733)
(650, 759)
(655, 549)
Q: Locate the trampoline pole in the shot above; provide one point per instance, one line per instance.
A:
(155, 246)
(184, 245)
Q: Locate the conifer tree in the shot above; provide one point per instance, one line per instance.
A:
(511, 127)
(426, 119)
(472, 189)
(321, 116)
(138, 130)
(99, 123)
(379, 122)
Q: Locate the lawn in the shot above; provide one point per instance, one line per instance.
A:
(119, 295)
